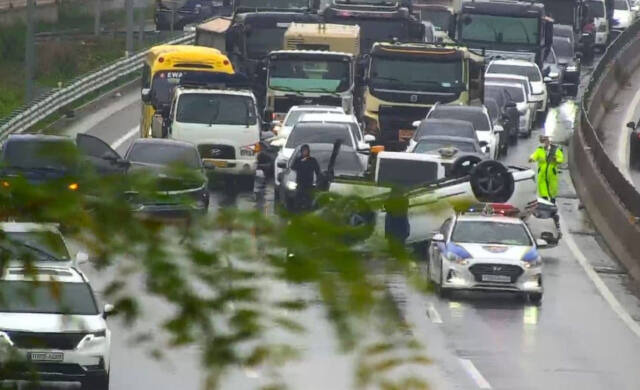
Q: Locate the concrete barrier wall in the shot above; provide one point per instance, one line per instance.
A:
(613, 204)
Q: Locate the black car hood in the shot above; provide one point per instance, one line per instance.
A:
(36, 175)
(165, 180)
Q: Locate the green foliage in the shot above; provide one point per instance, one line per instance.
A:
(222, 273)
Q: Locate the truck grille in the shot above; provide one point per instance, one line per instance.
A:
(512, 271)
(224, 152)
(32, 340)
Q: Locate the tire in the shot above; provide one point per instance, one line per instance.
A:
(535, 298)
(492, 182)
(96, 383)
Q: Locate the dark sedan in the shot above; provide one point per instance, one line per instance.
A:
(179, 182)
(570, 62)
(347, 163)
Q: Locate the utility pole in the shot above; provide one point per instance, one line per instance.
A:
(97, 4)
(173, 14)
(30, 52)
(141, 20)
(129, 45)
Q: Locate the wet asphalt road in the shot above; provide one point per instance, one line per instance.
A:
(577, 338)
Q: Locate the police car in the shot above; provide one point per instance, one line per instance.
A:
(487, 250)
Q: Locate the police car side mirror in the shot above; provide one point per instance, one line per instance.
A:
(437, 237)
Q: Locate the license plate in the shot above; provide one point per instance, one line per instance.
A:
(496, 278)
(404, 134)
(46, 356)
(220, 164)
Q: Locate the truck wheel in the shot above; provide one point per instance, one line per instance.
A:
(492, 182)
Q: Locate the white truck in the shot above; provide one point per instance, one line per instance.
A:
(436, 188)
(224, 124)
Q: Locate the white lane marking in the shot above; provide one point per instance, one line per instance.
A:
(599, 283)
(117, 143)
(433, 314)
(474, 373)
(623, 142)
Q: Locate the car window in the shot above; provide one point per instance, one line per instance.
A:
(563, 47)
(35, 154)
(446, 129)
(406, 173)
(346, 161)
(163, 154)
(41, 245)
(320, 134)
(477, 118)
(430, 145)
(46, 298)
(491, 232)
(498, 79)
(530, 72)
(512, 93)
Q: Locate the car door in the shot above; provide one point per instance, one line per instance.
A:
(100, 155)
(435, 257)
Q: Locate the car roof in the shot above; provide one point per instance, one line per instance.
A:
(489, 218)
(25, 227)
(59, 274)
(328, 118)
(513, 62)
(506, 76)
(163, 141)
(316, 107)
(38, 137)
(320, 125)
(458, 107)
(236, 92)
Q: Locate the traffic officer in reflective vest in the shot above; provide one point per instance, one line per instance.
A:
(547, 156)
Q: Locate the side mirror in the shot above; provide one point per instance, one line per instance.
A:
(108, 310)
(369, 138)
(631, 125)
(416, 124)
(81, 258)
(363, 147)
(541, 243)
(437, 237)
(146, 95)
(281, 164)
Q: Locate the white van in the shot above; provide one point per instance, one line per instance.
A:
(224, 124)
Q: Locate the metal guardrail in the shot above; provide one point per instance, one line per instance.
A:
(48, 104)
(626, 192)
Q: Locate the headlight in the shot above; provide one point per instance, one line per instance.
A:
(4, 339)
(572, 68)
(554, 75)
(292, 185)
(93, 339)
(249, 150)
(454, 258)
(457, 254)
(535, 263)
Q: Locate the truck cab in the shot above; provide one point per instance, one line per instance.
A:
(224, 124)
(301, 77)
(405, 80)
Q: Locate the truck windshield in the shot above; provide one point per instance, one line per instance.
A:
(492, 29)
(261, 41)
(310, 75)
(215, 109)
(406, 74)
(441, 19)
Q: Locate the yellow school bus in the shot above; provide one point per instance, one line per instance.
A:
(165, 66)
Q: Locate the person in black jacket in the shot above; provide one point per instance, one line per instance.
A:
(396, 223)
(307, 169)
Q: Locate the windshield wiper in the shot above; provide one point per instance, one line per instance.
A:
(325, 90)
(288, 89)
(36, 249)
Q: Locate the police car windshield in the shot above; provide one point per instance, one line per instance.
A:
(490, 232)
(46, 298)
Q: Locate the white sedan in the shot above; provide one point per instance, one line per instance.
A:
(486, 251)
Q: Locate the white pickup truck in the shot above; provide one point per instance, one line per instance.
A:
(434, 196)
